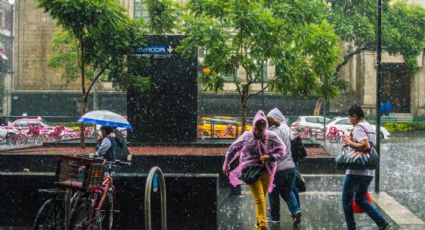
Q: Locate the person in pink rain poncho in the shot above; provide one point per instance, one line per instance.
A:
(258, 147)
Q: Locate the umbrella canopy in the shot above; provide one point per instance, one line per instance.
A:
(105, 117)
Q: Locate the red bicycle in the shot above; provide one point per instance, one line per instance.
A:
(95, 208)
(335, 135)
(74, 175)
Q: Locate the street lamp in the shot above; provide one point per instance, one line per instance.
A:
(378, 88)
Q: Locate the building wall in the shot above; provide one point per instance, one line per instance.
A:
(32, 46)
(6, 44)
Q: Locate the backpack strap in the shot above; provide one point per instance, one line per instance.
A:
(364, 129)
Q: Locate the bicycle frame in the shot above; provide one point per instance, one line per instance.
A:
(97, 203)
(106, 185)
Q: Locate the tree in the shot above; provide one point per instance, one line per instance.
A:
(163, 15)
(403, 27)
(98, 35)
(243, 34)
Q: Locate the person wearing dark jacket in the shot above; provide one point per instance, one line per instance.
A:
(107, 145)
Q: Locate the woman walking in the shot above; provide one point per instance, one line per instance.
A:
(356, 182)
(256, 149)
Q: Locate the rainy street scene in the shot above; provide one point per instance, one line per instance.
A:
(212, 114)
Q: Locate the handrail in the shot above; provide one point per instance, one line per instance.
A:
(148, 190)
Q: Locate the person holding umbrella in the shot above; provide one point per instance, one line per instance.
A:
(107, 145)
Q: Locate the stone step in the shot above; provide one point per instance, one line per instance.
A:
(398, 117)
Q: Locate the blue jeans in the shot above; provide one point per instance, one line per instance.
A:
(295, 190)
(356, 186)
(284, 186)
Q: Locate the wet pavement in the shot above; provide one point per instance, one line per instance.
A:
(321, 210)
(402, 169)
(402, 177)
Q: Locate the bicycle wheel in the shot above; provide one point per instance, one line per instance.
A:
(21, 139)
(11, 138)
(105, 217)
(80, 214)
(66, 137)
(50, 216)
(84, 216)
(40, 139)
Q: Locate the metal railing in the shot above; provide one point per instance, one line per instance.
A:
(154, 174)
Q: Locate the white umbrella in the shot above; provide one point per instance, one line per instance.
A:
(105, 117)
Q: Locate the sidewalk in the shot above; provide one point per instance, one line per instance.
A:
(321, 206)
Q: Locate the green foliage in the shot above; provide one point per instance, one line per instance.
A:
(293, 35)
(65, 56)
(404, 127)
(96, 38)
(403, 27)
(404, 31)
(163, 15)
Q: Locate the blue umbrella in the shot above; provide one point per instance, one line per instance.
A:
(105, 117)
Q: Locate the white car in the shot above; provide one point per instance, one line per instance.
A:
(314, 122)
(343, 124)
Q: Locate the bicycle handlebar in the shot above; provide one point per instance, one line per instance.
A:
(118, 162)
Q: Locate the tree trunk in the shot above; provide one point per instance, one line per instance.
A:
(244, 103)
(318, 106)
(83, 89)
(82, 126)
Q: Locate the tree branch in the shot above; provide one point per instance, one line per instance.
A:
(238, 87)
(348, 57)
(96, 78)
(262, 90)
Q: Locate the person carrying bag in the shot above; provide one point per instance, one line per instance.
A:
(352, 158)
(358, 179)
(257, 152)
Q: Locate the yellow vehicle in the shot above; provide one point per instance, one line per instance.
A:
(220, 127)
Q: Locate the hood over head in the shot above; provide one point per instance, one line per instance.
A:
(260, 116)
(276, 114)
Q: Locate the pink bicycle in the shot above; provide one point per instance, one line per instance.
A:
(335, 135)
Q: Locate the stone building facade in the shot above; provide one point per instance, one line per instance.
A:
(33, 31)
(6, 49)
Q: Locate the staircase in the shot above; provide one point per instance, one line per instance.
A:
(398, 117)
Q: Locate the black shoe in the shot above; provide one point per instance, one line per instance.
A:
(384, 226)
(297, 218)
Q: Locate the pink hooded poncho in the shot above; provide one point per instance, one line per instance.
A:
(247, 149)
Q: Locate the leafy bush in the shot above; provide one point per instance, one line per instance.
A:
(404, 126)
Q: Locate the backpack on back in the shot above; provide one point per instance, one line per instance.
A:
(297, 149)
(123, 154)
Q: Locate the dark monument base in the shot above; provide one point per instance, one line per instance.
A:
(189, 198)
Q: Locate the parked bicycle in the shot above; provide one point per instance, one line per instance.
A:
(95, 208)
(335, 135)
(74, 176)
